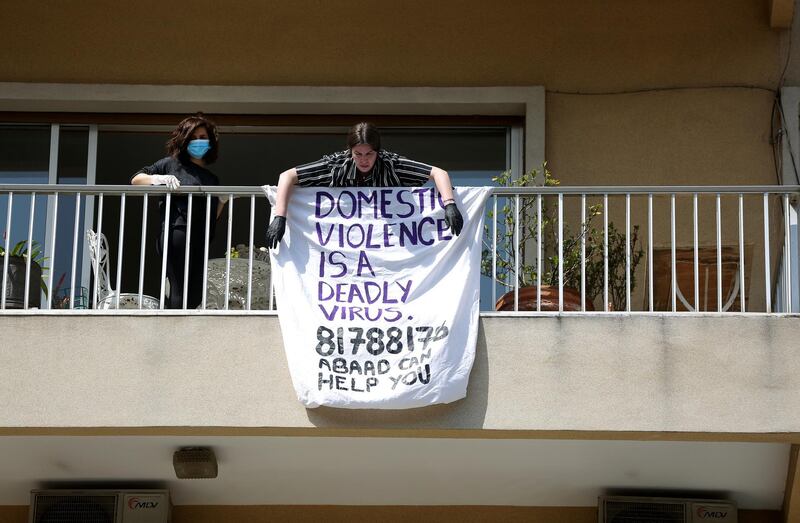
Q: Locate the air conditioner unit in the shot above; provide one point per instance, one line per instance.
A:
(630, 509)
(100, 506)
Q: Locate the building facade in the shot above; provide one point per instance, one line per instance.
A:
(562, 408)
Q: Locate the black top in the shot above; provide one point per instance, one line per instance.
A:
(188, 174)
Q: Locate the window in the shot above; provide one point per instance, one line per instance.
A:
(255, 156)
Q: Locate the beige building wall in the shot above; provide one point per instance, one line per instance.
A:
(660, 135)
(740, 368)
(573, 45)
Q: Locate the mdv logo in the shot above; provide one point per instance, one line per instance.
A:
(705, 513)
(137, 503)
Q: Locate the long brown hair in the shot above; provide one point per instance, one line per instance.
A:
(182, 135)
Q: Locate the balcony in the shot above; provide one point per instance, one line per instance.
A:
(710, 354)
(710, 373)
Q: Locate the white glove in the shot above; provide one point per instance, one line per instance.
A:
(169, 180)
(223, 199)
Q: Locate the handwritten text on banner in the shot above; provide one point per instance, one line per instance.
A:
(378, 301)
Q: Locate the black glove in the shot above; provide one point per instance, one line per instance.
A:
(452, 217)
(275, 231)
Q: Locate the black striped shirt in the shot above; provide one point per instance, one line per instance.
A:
(339, 170)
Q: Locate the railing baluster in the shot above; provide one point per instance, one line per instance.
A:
(251, 248)
(228, 255)
(205, 250)
(494, 249)
(121, 252)
(271, 280)
(787, 256)
(165, 254)
(271, 290)
(795, 254)
(516, 252)
(96, 257)
(187, 252)
(7, 248)
(719, 254)
(52, 253)
(605, 253)
(650, 249)
(767, 276)
(560, 252)
(741, 254)
(672, 242)
(696, 256)
(628, 252)
(141, 249)
(539, 252)
(584, 230)
(30, 253)
(75, 248)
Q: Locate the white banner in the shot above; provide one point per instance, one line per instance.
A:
(378, 302)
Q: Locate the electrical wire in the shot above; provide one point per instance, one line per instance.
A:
(774, 138)
(777, 135)
(781, 133)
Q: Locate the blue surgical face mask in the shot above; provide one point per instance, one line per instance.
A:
(198, 148)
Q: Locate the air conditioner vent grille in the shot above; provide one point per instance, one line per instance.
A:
(75, 509)
(643, 512)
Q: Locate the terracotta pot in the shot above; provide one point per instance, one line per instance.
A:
(527, 300)
(15, 283)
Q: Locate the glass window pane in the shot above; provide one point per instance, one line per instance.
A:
(73, 152)
(454, 150)
(24, 153)
(24, 158)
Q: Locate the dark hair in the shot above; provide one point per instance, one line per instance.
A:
(182, 135)
(364, 133)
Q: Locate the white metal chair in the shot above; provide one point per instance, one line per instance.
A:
(106, 296)
(704, 299)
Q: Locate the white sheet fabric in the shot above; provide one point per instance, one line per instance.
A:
(378, 302)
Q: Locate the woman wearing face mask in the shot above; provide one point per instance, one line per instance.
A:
(363, 163)
(193, 145)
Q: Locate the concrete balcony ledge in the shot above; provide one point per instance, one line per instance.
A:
(731, 374)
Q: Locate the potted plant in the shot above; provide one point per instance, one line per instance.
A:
(507, 275)
(15, 277)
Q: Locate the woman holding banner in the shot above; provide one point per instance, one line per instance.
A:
(363, 164)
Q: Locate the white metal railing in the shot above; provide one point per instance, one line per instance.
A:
(545, 240)
(525, 206)
(96, 197)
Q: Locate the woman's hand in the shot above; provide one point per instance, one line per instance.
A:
(169, 180)
(275, 231)
(453, 218)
